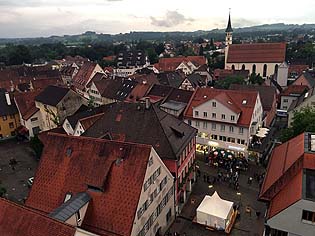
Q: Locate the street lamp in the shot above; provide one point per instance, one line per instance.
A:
(240, 197)
(210, 186)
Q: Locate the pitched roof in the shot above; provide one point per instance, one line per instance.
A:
(52, 95)
(309, 78)
(267, 93)
(220, 74)
(297, 152)
(298, 69)
(301, 99)
(294, 90)
(257, 53)
(26, 103)
(87, 122)
(196, 80)
(39, 84)
(140, 125)
(117, 89)
(170, 64)
(112, 173)
(82, 78)
(230, 98)
(6, 109)
(172, 79)
(18, 220)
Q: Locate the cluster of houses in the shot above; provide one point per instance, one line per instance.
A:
(120, 143)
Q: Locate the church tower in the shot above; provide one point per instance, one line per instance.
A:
(228, 40)
(228, 31)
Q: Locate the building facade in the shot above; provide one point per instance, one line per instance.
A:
(224, 118)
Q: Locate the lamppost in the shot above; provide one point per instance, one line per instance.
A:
(240, 197)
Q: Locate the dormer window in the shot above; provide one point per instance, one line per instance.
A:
(244, 102)
(232, 118)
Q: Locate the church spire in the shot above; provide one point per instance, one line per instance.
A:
(229, 25)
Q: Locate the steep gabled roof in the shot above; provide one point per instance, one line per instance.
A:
(82, 78)
(112, 173)
(149, 126)
(230, 98)
(26, 103)
(52, 95)
(6, 109)
(257, 53)
(171, 64)
(18, 220)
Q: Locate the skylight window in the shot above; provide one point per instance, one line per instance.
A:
(244, 102)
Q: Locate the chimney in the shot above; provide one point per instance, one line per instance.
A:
(7, 97)
(147, 103)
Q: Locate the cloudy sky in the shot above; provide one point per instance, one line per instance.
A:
(32, 18)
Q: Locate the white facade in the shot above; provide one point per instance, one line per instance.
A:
(78, 130)
(282, 75)
(286, 101)
(308, 102)
(67, 127)
(218, 126)
(290, 220)
(33, 124)
(156, 206)
(258, 68)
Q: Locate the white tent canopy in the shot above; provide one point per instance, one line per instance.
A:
(214, 211)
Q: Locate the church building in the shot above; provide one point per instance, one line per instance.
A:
(260, 58)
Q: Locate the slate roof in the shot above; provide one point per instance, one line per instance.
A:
(149, 126)
(172, 79)
(196, 80)
(257, 53)
(26, 103)
(80, 164)
(294, 90)
(18, 220)
(52, 95)
(6, 109)
(117, 89)
(301, 99)
(230, 98)
(267, 93)
(70, 207)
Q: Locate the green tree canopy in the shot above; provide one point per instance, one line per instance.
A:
(303, 121)
(226, 83)
(256, 79)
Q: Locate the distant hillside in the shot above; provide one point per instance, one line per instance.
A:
(217, 34)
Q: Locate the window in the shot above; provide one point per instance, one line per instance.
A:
(197, 124)
(67, 197)
(223, 128)
(34, 119)
(4, 118)
(223, 116)
(231, 129)
(214, 104)
(233, 118)
(214, 115)
(285, 100)
(196, 113)
(151, 161)
(243, 67)
(308, 216)
(276, 68)
(276, 232)
(254, 69)
(189, 122)
(11, 125)
(233, 67)
(265, 70)
(241, 131)
(11, 116)
(205, 125)
(168, 215)
(13, 133)
(205, 114)
(213, 126)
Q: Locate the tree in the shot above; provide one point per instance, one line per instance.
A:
(37, 146)
(201, 50)
(302, 121)
(212, 47)
(256, 79)
(226, 83)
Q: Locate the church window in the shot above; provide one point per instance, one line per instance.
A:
(233, 67)
(243, 67)
(265, 70)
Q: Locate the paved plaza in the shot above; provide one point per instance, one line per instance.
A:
(247, 224)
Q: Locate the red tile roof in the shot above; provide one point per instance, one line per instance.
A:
(117, 169)
(298, 69)
(280, 161)
(294, 89)
(17, 220)
(82, 78)
(26, 103)
(138, 92)
(287, 196)
(170, 64)
(230, 98)
(257, 53)
(39, 84)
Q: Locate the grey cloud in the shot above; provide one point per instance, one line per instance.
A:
(171, 18)
(241, 22)
(38, 3)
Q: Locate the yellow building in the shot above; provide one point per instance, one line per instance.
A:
(9, 116)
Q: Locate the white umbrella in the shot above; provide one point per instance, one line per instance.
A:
(261, 135)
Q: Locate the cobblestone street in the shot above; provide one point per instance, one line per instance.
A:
(246, 224)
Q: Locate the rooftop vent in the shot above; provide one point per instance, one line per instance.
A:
(244, 102)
